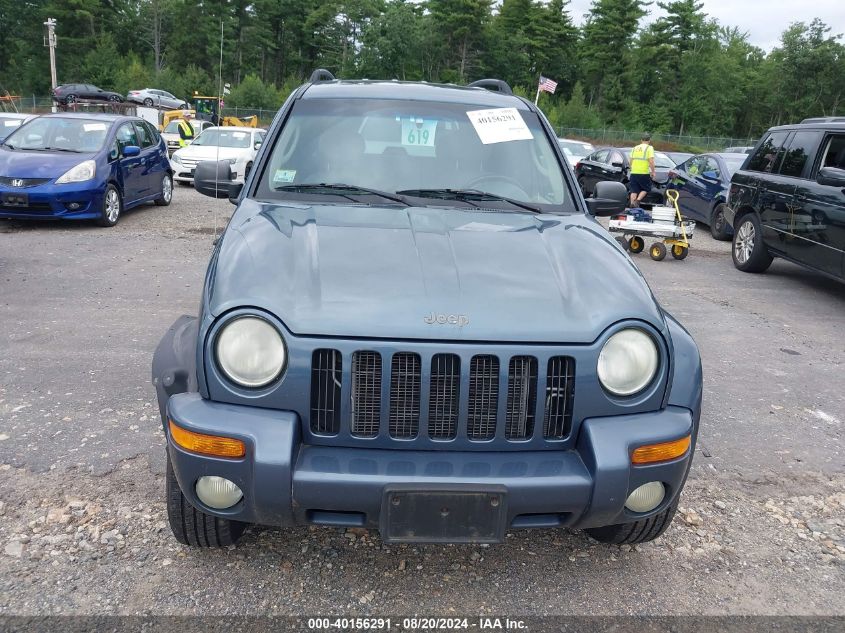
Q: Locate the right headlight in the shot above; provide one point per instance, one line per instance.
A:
(250, 352)
(628, 362)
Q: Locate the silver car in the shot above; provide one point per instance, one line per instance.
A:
(152, 97)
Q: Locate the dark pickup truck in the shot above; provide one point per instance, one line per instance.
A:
(788, 200)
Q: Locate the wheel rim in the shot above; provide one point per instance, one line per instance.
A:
(70, 99)
(166, 188)
(148, 102)
(744, 242)
(112, 205)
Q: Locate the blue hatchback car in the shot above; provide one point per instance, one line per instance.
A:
(702, 183)
(83, 167)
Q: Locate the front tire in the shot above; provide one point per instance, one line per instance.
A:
(70, 99)
(718, 223)
(640, 531)
(749, 253)
(194, 527)
(166, 191)
(112, 207)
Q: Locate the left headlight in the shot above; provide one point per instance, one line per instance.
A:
(80, 173)
(628, 362)
(176, 159)
(250, 352)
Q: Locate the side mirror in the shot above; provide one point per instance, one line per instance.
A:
(710, 175)
(831, 176)
(131, 150)
(214, 179)
(610, 198)
(257, 144)
(617, 164)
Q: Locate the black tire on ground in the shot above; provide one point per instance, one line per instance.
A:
(680, 252)
(657, 251)
(637, 244)
(637, 532)
(148, 102)
(166, 191)
(194, 527)
(115, 99)
(718, 224)
(748, 251)
(622, 242)
(112, 207)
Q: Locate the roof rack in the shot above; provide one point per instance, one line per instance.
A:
(825, 119)
(321, 74)
(496, 85)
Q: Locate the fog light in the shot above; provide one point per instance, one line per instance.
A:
(218, 493)
(646, 498)
(73, 206)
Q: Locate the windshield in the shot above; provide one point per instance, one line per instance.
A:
(172, 128)
(576, 149)
(733, 164)
(223, 138)
(7, 126)
(60, 134)
(415, 146)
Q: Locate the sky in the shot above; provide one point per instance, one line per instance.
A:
(764, 20)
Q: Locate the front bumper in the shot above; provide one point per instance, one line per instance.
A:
(55, 201)
(286, 482)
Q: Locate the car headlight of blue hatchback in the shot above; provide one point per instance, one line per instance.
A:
(250, 352)
(85, 170)
(628, 362)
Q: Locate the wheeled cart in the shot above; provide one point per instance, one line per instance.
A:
(666, 225)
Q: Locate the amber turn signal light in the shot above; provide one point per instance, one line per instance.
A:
(663, 452)
(207, 444)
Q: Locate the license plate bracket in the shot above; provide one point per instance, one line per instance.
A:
(444, 514)
(15, 199)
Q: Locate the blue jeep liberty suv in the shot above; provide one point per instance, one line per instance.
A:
(413, 322)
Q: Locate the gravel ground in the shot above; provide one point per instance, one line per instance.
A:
(83, 528)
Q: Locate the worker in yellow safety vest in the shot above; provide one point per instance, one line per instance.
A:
(642, 170)
(186, 132)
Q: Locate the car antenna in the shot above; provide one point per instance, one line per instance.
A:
(219, 121)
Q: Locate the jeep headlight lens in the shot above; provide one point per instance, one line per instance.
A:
(627, 362)
(80, 173)
(250, 352)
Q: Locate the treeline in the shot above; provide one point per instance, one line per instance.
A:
(682, 73)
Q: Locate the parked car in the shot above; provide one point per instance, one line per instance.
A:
(171, 132)
(159, 98)
(413, 322)
(82, 166)
(575, 150)
(739, 149)
(10, 121)
(679, 157)
(71, 93)
(788, 200)
(614, 163)
(703, 183)
(235, 145)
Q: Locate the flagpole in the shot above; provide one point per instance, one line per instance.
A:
(537, 96)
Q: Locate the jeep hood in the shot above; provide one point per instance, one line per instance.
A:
(399, 273)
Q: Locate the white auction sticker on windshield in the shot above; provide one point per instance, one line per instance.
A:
(499, 125)
(93, 127)
(11, 123)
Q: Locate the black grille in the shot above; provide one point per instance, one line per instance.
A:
(366, 393)
(326, 375)
(404, 421)
(522, 398)
(443, 396)
(560, 390)
(22, 182)
(483, 397)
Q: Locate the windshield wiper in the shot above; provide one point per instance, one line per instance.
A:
(58, 149)
(466, 195)
(341, 189)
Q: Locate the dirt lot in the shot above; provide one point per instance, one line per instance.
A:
(82, 518)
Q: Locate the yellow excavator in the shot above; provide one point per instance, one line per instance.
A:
(206, 108)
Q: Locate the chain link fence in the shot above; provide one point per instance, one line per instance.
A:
(610, 136)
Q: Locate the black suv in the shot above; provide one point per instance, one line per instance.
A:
(788, 200)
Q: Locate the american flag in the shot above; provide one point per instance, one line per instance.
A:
(547, 84)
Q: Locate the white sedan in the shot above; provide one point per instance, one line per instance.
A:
(236, 145)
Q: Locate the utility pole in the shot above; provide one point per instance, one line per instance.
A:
(50, 42)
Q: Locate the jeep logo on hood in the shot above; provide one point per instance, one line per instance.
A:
(443, 319)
